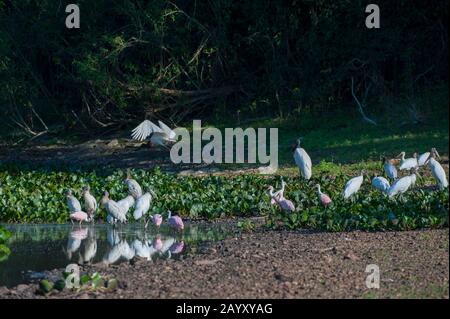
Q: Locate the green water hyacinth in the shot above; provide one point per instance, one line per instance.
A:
(4, 250)
(37, 196)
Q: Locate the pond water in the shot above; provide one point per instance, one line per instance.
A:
(38, 248)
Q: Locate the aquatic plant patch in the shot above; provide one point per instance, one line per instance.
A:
(37, 196)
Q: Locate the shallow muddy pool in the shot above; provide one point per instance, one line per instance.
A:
(36, 249)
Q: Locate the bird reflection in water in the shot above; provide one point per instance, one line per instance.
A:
(87, 245)
(74, 241)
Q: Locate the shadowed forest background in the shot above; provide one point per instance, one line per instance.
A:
(227, 61)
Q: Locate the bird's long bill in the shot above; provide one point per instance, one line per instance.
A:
(428, 158)
(399, 155)
(437, 154)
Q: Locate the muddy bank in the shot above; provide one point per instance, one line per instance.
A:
(272, 264)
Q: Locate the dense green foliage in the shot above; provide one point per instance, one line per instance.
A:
(34, 196)
(253, 58)
(4, 250)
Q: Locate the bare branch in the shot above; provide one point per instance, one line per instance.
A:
(360, 106)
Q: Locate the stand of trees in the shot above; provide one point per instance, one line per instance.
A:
(180, 59)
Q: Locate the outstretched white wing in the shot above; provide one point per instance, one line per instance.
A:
(143, 130)
(167, 130)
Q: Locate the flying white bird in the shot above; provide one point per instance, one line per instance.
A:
(408, 163)
(389, 169)
(437, 170)
(159, 135)
(302, 160)
(381, 183)
(353, 186)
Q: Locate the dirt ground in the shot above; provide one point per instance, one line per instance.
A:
(272, 264)
(119, 152)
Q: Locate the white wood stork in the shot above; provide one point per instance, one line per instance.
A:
(389, 169)
(90, 203)
(381, 183)
(408, 163)
(302, 160)
(113, 209)
(400, 186)
(353, 186)
(143, 204)
(126, 203)
(72, 202)
(134, 189)
(437, 170)
(159, 135)
(422, 160)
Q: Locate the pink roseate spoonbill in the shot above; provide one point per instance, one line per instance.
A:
(389, 169)
(157, 243)
(74, 241)
(177, 247)
(73, 203)
(113, 210)
(302, 160)
(175, 222)
(90, 203)
(156, 220)
(134, 189)
(324, 199)
(408, 163)
(353, 185)
(79, 217)
(437, 170)
(283, 203)
(380, 183)
(158, 135)
(278, 194)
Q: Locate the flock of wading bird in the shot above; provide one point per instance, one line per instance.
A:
(399, 186)
(117, 211)
(140, 202)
